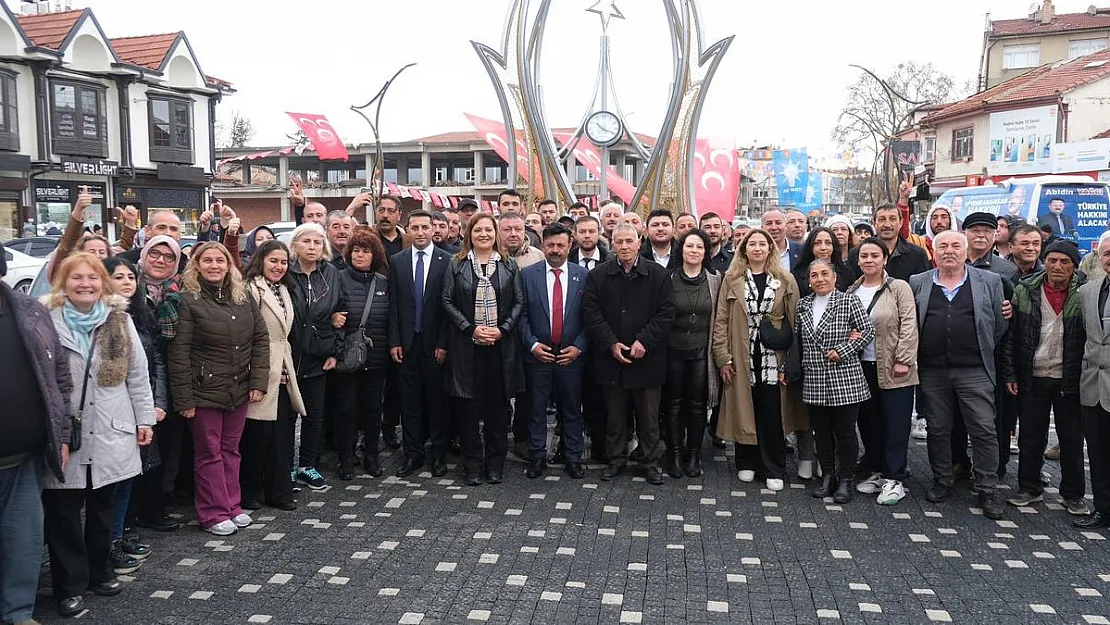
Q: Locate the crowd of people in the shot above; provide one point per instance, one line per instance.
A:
(146, 373)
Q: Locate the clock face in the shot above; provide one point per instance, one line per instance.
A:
(604, 128)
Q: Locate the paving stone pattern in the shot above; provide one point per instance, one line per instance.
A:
(557, 550)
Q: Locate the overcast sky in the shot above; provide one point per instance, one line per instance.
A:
(782, 82)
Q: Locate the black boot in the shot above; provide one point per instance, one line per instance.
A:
(673, 434)
(843, 492)
(695, 432)
(826, 487)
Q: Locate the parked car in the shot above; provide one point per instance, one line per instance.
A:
(38, 247)
(22, 269)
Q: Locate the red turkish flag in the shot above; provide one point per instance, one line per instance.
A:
(322, 136)
(454, 201)
(493, 133)
(393, 190)
(436, 201)
(589, 156)
(716, 178)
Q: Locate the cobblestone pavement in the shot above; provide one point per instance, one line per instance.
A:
(557, 550)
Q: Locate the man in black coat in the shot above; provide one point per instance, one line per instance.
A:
(627, 310)
(589, 253)
(418, 343)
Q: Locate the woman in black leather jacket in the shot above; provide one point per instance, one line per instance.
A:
(358, 399)
(315, 299)
(483, 299)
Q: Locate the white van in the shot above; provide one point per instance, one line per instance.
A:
(1075, 207)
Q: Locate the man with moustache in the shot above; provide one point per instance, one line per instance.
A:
(441, 227)
(610, 217)
(796, 226)
(339, 225)
(906, 259)
(388, 216)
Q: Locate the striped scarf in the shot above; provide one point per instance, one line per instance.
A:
(485, 298)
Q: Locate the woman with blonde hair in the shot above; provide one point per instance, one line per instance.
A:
(751, 335)
(114, 404)
(219, 359)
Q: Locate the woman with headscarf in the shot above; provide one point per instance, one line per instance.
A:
(255, 239)
(160, 291)
(114, 405)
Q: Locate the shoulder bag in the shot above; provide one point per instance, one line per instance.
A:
(357, 344)
(76, 421)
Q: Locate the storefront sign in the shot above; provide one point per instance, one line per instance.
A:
(90, 168)
(1022, 141)
(128, 194)
(1081, 156)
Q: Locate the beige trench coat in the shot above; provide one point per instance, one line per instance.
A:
(279, 322)
(730, 343)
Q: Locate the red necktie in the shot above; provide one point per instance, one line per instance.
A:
(557, 310)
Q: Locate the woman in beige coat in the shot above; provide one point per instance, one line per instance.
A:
(890, 367)
(756, 410)
(265, 474)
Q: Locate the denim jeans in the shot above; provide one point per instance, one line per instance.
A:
(21, 537)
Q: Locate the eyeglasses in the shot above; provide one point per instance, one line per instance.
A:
(160, 256)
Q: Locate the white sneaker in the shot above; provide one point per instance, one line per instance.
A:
(242, 520)
(223, 528)
(805, 469)
(775, 484)
(871, 485)
(893, 492)
(919, 431)
(746, 476)
(633, 444)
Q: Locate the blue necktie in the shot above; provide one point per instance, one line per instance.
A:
(1060, 220)
(419, 291)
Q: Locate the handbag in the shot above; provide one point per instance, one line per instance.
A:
(75, 422)
(778, 339)
(356, 345)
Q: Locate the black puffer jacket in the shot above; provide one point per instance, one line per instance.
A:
(315, 298)
(355, 288)
(221, 351)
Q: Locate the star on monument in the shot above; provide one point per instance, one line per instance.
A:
(606, 9)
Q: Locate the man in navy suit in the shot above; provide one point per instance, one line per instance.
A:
(551, 328)
(418, 343)
(1062, 224)
(774, 222)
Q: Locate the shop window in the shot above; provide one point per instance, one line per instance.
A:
(79, 120)
(171, 130)
(9, 117)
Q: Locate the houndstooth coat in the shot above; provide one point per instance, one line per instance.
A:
(824, 382)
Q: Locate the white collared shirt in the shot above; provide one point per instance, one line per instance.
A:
(564, 277)
(663, 261)
(427, 265)
(784, 258)
(595, 257)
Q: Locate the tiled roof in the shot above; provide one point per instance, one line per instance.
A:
(1060, 23)
(49, 30)
(219, 83)
(1043, 82)
(147, 51)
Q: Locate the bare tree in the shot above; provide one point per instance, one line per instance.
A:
(234, 132)
(877, 109)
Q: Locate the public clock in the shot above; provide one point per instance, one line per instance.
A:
(604, 129)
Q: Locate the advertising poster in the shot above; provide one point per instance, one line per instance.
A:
(1081, 156)
(1074, 211)
(995, 200)
(1021, 141)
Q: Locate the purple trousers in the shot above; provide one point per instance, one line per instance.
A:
(216, 435)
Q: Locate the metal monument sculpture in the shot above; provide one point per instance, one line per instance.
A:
(666, 181)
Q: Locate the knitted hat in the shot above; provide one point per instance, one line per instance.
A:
(839, 219)
(161, 239)
(981, 219)
(1066, 248)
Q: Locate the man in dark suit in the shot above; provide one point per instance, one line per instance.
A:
(628, 310)
(589, 253)
(551, 329)
(714, 228)
(774, 222)
(1062, 225)
(418, 343)
(659, 247)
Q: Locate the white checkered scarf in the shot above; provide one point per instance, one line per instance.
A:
(485, 299)
(757, 308)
